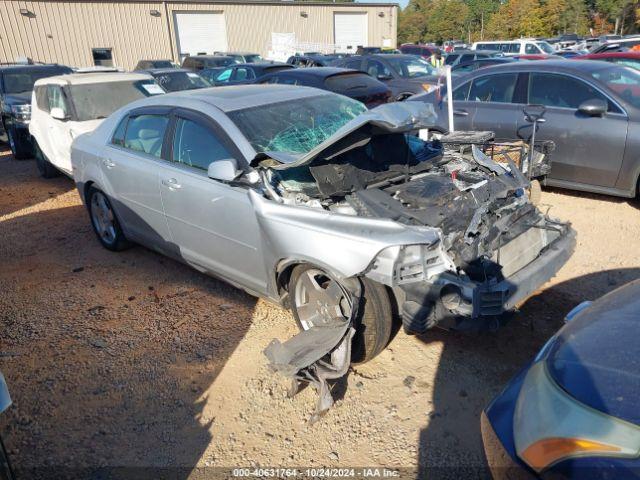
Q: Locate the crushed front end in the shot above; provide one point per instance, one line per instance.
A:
(494, 249)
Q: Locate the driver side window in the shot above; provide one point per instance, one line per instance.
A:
(196, 146)
(56, 98)
(376, 69)
(553, 90)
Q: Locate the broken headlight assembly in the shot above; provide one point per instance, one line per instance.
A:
(403, 264)
(21, 113)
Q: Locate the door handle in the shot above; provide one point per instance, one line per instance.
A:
(171, 183)
(461, 113)
(108, 163)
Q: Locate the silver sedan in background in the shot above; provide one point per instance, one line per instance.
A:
(308, 199)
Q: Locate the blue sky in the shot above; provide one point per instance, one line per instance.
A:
(403, 3)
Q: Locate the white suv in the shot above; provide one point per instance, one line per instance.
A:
(66, 106)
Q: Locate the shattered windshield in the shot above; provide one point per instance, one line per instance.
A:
(281, 127)
(93, 101)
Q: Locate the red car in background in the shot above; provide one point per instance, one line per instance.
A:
(627, 59)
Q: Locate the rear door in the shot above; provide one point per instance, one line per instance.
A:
(588, 149)
(494, 104)
(212, 223)
(130, 164)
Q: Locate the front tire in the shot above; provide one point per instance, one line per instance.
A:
(105, 222)
(46, 169)
(316, 297)
(19, 150)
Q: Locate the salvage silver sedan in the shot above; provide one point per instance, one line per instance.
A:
(306, 198)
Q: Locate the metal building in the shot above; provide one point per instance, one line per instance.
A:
(83, 33)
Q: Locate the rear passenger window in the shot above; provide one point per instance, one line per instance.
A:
(196, 146)
(467, 57)
(145, 133)
(497, 88)
(560, 91)
(461, 92)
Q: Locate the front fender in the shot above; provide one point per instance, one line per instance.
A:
(345, 245)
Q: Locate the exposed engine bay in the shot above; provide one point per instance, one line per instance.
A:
(477, 204)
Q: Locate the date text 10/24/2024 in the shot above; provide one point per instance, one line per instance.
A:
(373, 472)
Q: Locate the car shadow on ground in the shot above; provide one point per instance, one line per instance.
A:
(454, 423)
(146, 337)
(633, 202)
(21, 185)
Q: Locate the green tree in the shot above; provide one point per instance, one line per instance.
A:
(448, 20)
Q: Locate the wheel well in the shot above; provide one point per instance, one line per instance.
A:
(282, 282)
(85, 192)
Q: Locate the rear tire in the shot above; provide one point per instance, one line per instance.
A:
(46, 169)
(374, 321)
(105, 222)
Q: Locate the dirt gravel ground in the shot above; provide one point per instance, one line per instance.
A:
(134, 360)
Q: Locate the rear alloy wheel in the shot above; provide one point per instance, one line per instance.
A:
(104, 221)
(317, 298)
(46, 169)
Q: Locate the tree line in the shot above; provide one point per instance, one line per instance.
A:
(472, 20)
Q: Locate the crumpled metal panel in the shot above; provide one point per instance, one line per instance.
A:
(343, 245)
(314, 356)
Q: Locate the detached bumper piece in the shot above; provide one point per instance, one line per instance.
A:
(314, 356)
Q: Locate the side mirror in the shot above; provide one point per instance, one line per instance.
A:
(225, 170)
(58, 113)
(593, 108)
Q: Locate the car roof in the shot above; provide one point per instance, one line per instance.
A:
(31, 66)
(321, 72)
(216, 57)
(159, 71)
(86, 78)
(238, 53)
(552, 65)
(611, 55)
(238, 97)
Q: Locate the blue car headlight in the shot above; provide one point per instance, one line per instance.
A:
(550, 426)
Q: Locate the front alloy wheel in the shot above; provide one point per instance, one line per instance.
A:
(317, 298)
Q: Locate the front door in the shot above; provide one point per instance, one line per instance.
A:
(130, 164)
(588, 149)
(495, 104)
(57, 146)
(212, 223)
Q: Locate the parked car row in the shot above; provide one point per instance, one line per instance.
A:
(284, 176)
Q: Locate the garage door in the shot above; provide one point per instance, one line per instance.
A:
(199, 33)
(350, 31)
